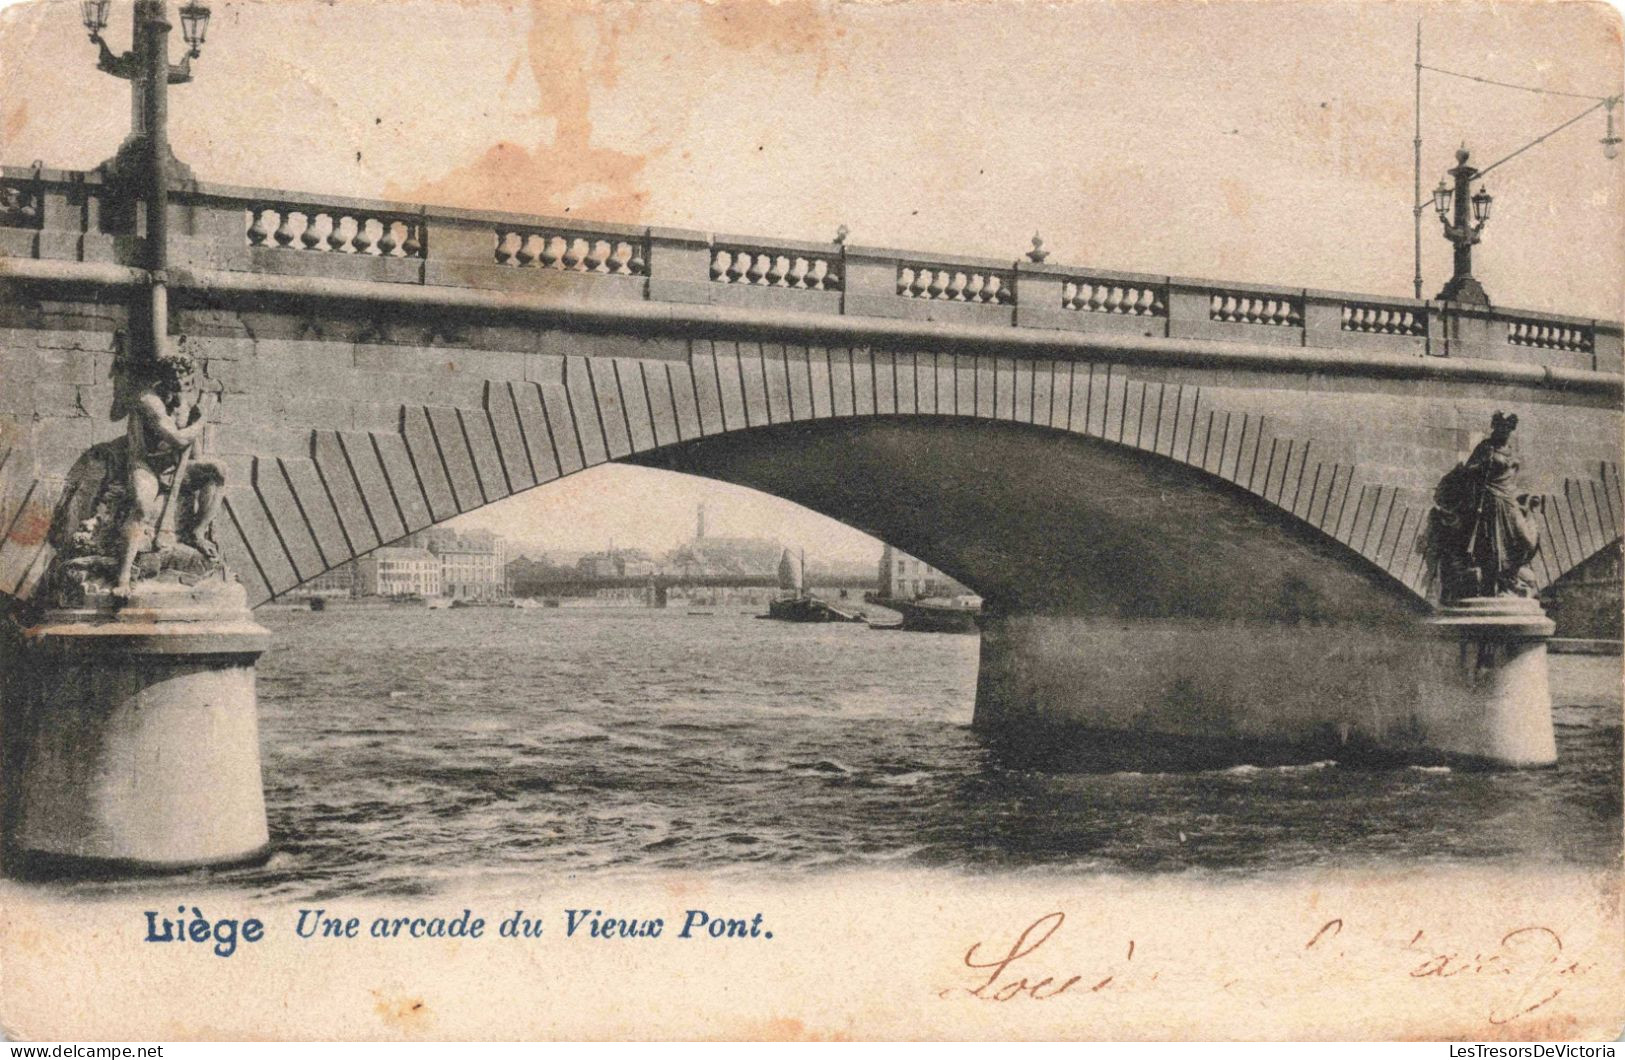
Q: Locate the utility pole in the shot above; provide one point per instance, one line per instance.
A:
(1416, 193)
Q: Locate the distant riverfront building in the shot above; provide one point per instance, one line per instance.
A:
(616, 563)
(398, 572)
(902, 577)
(340, 581)
(708, 554)
(598, 565)
(473, 563)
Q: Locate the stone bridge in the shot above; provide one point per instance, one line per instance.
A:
(1179, 497)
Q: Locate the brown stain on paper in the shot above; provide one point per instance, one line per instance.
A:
(574, 47)
(571, 174)
(15, 121)
(402, 1013)
(781, 29)
(30, 525)
(781, 1029)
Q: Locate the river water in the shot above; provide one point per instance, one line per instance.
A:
(411, 752)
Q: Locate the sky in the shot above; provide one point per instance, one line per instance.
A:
(1250, 141)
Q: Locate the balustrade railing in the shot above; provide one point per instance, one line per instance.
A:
(334, 232)
(1376, 319)
(759, 267)
(565, 251)
(1545, 335)
(20, 204)
(945, 284)
(1128, 299)
(1283, 311)
(76, 216)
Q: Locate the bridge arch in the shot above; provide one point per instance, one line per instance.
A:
(747, 411)
(1081, 445)
(1037, 520)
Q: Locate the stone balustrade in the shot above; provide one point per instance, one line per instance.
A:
(1376, 319)
(67, 215)
(1104, 296)
(19, 204)
(548, 248)
(976, 286)
(1233, 307)
(333, 232)
(1549, 336)
(771, 267)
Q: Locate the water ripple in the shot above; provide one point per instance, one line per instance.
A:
(409, 751)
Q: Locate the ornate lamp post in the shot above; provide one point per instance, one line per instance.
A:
(1462, 230)
(144, 162)
(142, 631)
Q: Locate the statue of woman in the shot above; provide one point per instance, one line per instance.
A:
(1501, 538)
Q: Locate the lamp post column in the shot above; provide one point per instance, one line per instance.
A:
(1461, 230)
(152, 47)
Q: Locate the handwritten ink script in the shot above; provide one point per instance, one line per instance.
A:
(1529, 959)
(1525, 970)
(999, 983)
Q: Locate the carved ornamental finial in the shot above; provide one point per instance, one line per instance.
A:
(840, 235)
(1038, 253)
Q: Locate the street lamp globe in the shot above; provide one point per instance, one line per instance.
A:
(1481, 205)
(1441, 198)
(94, 15)
(195, 26)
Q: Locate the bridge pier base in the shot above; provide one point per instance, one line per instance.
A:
(1496, 695)
(1113, 693)
(139, 736)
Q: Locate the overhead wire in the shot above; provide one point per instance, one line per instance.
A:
(1599, 101)
(1538, 139)
(1508, 84)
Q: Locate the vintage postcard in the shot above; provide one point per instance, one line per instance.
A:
(561, 519)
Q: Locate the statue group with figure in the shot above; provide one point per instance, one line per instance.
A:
(1481, 535)
(142, 505)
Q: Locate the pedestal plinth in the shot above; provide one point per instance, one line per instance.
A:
(141, 734)
(1490, 698)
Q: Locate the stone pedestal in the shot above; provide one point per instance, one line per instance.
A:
(1488, 695)
(140, 734)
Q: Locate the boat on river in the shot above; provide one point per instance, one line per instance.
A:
(796, 604)
(934, 614)
(809, 609)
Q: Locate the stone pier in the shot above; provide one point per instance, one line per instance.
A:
(1489, 697)
(1467, 685)
(140, 737)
